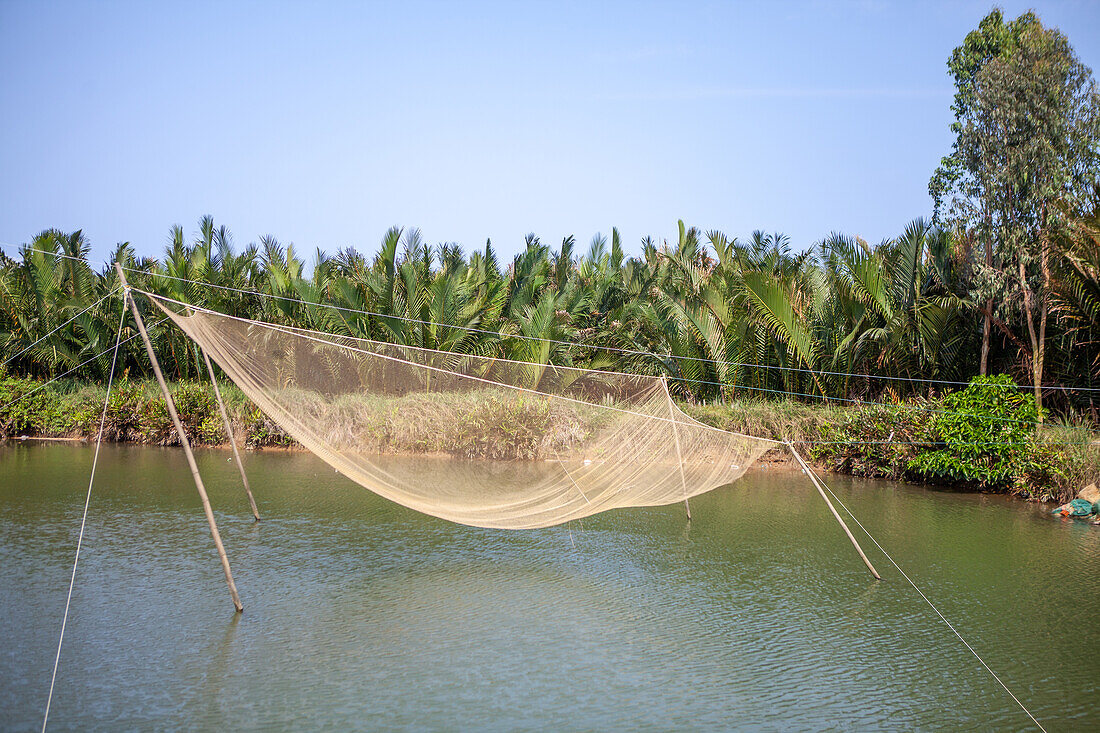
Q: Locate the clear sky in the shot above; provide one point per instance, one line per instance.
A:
(325, 123)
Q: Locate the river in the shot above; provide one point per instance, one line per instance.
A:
(360, 614)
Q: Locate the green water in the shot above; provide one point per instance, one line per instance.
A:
(360, 614)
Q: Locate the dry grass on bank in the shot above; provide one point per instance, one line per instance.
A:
(868, 440)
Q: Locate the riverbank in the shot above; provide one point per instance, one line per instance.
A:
(924, 443)
(475, 424)
(919, 442)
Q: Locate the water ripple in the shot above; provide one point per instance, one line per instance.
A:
(362, 615)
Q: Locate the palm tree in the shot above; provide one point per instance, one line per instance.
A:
(899, 314)
(50, 322)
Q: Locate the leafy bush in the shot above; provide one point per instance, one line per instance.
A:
(988, 436)
(27, 407)
(198, 413)
(154, 424)
(876, 440)
(260, 431)
(211, 430)
(196, 409)
(123, 411)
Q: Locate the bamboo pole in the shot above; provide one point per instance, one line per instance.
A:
(817, 485)
(184, 442)
(229, 434)
(679, 453)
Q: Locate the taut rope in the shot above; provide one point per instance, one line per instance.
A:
(821, 483)
(84, 516)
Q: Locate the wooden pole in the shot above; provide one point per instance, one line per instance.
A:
(836, 515)
(679, 453)
(229, 434)
(184, 442)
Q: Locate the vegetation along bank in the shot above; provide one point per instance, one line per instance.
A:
(982, 438)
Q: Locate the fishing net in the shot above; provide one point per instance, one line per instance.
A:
(607, 440)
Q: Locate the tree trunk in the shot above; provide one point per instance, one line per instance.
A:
(987, 321)
(986, 325)
(1044, 310)
(1034, 336)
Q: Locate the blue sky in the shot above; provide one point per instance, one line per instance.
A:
(325, 123)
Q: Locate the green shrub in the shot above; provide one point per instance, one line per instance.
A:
(154, 425)
(211, 430)
(29, 407)
(123, 411)
(875, 440)
(196, 409)
(136, 411)
(987, 433)
(195, 406)
(260, 431)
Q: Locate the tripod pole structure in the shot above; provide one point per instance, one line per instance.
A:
(184, 442)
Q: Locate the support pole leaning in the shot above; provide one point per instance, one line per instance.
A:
(817, 485)
(229, 434)
(679, 453)
(184, 442)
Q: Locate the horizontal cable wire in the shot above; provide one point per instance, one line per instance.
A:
(633, 352)
(541, 339)
(78, 366)
(682, 379)
(685, 379)
(66, 323)
(302, 333)
(606, 348)
(850, 400)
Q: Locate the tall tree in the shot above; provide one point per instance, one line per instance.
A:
(954, 179)
(1027, 129)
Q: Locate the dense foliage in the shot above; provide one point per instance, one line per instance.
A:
(1022, 172)
(720, 317)
(985, 431)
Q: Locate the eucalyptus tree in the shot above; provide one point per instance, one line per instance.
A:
(1027, 134)
(956, 186)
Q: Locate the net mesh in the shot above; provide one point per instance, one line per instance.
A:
(609, 440)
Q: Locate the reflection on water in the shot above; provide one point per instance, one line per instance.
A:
(361, 614)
